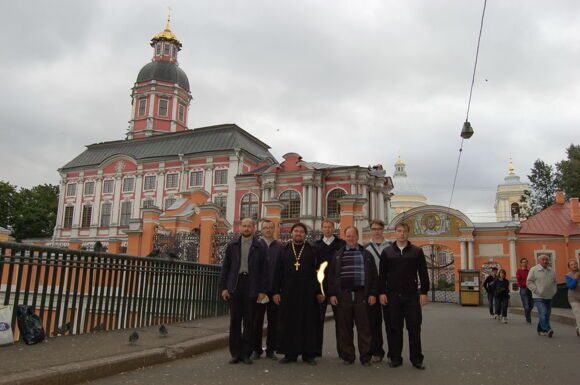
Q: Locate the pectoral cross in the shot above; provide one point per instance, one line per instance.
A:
(297, 265)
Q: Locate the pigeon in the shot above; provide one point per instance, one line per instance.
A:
(61, 331)
(163, 330)
(134, 337)
(99, 328)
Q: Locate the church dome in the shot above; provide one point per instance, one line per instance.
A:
(163, 71)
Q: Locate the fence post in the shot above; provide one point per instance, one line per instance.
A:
(150, 222)
(209, 214)
(274, 213)
(351, 212)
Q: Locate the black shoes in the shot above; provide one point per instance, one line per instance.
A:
(419, 365)
(256, 356)
(310, 361)
(234, 360)
(394, 364)
(287, 360)
(247, 361)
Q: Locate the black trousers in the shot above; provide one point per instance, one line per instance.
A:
(375, 313)
(405, 310)
(490, 297)
(271, 311)
(320, 329)
(241, 319)
(352, 309)
(501, 305)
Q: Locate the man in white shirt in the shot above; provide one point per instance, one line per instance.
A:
(542, 283)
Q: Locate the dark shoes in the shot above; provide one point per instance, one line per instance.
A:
(234, 360)
(419, 365)
(310, 361)
(550, 333)
(287, 360)
(247, 361)
(394, 364)
(256, 356)
(271, 356)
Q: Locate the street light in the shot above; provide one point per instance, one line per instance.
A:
(467, 131)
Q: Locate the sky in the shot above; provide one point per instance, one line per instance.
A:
(344, 82)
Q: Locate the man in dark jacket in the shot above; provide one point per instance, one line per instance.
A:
(242, 282)
(400, 265)
(352, 284)
(273, 247)
(327, 247)
(490, 290)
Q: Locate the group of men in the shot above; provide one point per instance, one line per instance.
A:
(293, 282)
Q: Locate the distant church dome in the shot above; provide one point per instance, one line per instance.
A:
(406, 195)
(164, 71)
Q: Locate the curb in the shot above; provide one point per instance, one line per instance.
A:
(567, 320)
(79, 372)
(75, 373)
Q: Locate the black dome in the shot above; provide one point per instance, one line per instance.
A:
(164, 71)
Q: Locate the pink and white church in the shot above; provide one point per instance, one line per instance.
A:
(161, 160)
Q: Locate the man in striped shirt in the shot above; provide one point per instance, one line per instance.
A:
(352, 284)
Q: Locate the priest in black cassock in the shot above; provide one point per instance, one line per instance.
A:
(298, 293)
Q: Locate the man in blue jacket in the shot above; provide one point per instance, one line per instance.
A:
(243, 282)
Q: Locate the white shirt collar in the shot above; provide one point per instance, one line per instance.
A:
(328, 240)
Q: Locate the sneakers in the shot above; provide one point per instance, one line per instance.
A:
(497, 317)
(493, 316)
(543, 334)
(504, 320)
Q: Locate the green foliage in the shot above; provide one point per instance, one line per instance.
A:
(7, 194)
(444, 285)
(31, 213)
(544, 182)
(569, 171)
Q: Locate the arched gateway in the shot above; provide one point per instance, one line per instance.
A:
(443, 234)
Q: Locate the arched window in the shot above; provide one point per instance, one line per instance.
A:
(291, 201)
(515, 207)
(249, 206)
(332, 206)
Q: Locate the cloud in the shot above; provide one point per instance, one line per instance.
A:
(346, 83)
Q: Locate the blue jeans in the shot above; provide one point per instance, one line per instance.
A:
(544, 307)
(527, 303)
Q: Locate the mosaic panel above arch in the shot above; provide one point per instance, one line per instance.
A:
(429, 224)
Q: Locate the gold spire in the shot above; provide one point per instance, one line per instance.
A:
(167, 34)
(399, 160)
(511, 168)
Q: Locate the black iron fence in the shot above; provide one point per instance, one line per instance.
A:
(76, 292)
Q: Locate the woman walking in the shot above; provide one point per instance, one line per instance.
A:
(502, 296)
(574, 291)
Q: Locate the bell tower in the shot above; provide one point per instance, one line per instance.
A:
(161, 96)
(508, 196)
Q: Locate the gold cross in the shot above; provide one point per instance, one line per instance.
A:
(297, 265)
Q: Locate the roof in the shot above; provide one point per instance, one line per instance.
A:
(165, 71)
(200, 140)
(554, 220)
(324, 166)
(255, 171)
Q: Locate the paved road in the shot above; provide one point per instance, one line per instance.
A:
(461, 346)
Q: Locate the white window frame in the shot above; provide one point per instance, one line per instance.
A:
(142, 112)
(169, 177)
(215, 176)
(70, 186)
(161, 100)
(124, 215)
(92, 189)
(106, 211)
(201, 178)
(132, 184)
(153, 185)
(105, 182)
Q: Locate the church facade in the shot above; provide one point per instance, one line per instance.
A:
(161, 159)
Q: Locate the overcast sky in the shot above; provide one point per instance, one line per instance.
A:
(344, 82)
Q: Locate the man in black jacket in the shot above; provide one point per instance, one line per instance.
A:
(327, 247)
(490, 290)
(400, 264)
(352, 284)
(242, 281)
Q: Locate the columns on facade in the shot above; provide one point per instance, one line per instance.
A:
(319, 201)
(61, 204)
(463, 246)
(78, 204)
(513, 261)
(97, 202)
(138, 190)
(381, 202)
(471, 255)
(116, 200)
(159, 190)
(208, 182)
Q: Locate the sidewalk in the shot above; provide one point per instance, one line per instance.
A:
(564, 316)
(80, 358)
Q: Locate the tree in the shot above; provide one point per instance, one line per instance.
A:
(7, 194)
(543, 182)
(569, 171)
(35, 211)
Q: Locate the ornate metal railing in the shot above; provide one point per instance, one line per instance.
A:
(181, 246)
(77, 292)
